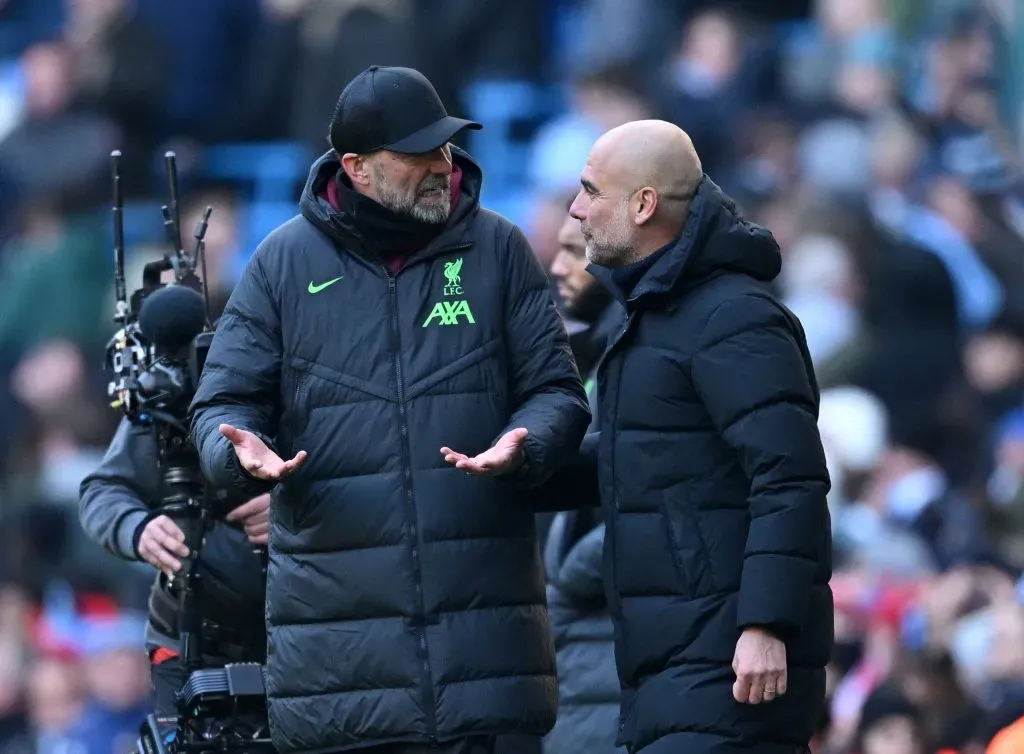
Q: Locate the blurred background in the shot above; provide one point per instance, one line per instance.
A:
(878, 139)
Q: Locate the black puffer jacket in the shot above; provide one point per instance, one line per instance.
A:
(405, 599)
(588, 711)
(712, 471)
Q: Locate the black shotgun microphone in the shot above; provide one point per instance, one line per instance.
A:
(171, 317)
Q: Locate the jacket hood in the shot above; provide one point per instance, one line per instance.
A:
(715, 240)
(338, 225)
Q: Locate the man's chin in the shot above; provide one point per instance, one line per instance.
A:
(432, 212)
(596, 256)
(606, 257)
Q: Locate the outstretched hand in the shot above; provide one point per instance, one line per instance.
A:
(256, 458)
(507, 455)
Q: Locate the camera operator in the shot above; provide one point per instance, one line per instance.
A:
(119, 509)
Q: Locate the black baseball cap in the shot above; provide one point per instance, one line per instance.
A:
(391, 108)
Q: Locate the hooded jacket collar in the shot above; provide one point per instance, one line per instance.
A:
(715, 240)
(339, 226)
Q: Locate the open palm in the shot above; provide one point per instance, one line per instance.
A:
(504, 457)
(256, 458)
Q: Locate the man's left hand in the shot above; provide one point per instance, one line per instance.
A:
(507, 455)
(760, 667)
(255, 518)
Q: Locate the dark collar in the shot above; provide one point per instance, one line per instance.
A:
(659, 272)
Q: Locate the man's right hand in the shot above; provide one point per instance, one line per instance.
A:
(161, 543)
(256, 458)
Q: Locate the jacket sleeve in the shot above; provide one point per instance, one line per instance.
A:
(548, 398)
(759, 390)
(240, 383)
(115, 499)
(574, 484)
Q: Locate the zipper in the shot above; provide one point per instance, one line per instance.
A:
(618, 381)
(615, 605)
(429, 700)
(295, 426)
(299, 381)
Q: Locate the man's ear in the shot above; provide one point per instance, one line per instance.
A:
(357, 168)
(646, 204)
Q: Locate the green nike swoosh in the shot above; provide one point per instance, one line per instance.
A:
(317, 288)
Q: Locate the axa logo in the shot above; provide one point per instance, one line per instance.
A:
(449, 312)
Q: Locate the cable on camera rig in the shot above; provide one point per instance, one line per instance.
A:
(156, 357)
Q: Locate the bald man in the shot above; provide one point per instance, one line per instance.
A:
(718, 545)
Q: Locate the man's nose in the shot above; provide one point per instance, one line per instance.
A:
(576, 208)
(558, 267)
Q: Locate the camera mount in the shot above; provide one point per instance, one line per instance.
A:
(156, 357)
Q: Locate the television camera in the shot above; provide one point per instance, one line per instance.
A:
(156, 357)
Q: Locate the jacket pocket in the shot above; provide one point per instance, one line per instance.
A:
(294, 395)
(689, 551)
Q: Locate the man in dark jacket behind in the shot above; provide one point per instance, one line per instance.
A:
(393, 317)
(718, 545)
(586, 301)
(588, 710)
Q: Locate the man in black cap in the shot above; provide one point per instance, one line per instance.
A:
(392, 360)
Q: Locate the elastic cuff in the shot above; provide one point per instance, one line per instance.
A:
(129, 529)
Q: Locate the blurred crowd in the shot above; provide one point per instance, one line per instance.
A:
(878, 140)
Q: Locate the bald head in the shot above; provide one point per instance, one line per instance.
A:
(652, 153)
(648, 171)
